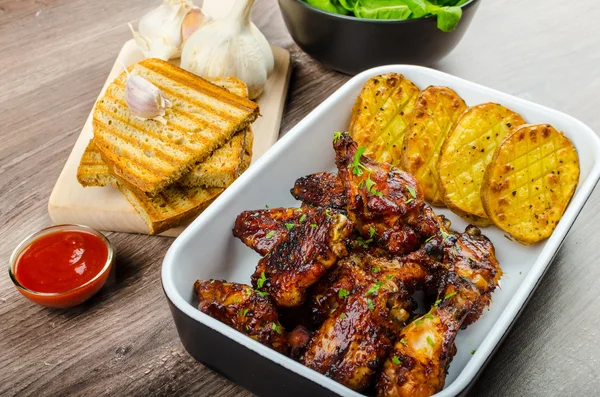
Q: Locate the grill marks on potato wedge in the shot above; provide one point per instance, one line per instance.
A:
(530, 182)
(466, 153)
(381, 115)
(436, 112)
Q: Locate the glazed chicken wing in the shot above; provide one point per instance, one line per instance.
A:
(243, 309)
(407, 274)
(355, 339)
(262, 230)
(311, 247)
(417, 365)
(320, 190)
(470, 273)
(383, 199)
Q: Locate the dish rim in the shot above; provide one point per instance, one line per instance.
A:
(505, 319)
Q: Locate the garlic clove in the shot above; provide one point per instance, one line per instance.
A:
(192, 22)
(161, 31)
(145, 100)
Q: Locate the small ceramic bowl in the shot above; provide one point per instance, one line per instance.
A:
(351, 45)
(72, 297)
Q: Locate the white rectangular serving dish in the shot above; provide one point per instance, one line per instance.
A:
(207, 249)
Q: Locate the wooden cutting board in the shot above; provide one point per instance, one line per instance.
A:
(105, 208)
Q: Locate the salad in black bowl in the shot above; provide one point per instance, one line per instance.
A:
(351, 36)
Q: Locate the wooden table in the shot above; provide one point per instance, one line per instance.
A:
(54, 58)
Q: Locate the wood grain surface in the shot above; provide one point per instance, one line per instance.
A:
(54, 58)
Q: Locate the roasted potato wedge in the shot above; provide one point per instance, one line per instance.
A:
(381, 115)
(466, 153)
(530, 181)
(436, 112)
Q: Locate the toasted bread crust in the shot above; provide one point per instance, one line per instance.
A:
(148, 156)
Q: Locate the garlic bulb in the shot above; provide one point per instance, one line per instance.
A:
(145, 100)
(163, 30)
(231, 47)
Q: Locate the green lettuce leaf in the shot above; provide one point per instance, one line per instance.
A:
(382, 9)
(332, 6)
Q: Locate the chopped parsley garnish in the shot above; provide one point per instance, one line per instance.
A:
(409, 201)
(302, 218)
(270, 234)
(428, 316)
(396, 360)
(403, 341)
(342, 293)
(337, 136)
(429, 239)
(371, 187)
(342, 315)
(430, 341)
(362, 242)
(289, 226)
(437, 302)
(450, 295)
(314, 225)
(261, 293)
(243, 312)
(356, 166)
(212, 281)
(419, 322)
(372, 232)
(267, 206)
(473, 351)
(236, 300)
(298, 210)
(374, 288)
(370, 304)
(444, 234)
(412, 191)
(261, 281)
(389, 276)
(376, 269)
(327, 212)
(275, 327)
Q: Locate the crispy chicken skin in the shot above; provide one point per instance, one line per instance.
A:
(320, 190)
(312, 246)
(406, 274)
(385, 199)
(262, 230)
(470, 273)
(416, 367)
(351, 344)
(472, 256)
(240, 307)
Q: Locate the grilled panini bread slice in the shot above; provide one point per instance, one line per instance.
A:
(225, 164)
(231, 159)
(168, 209)
(147, 155)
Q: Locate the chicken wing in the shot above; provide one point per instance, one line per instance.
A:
(312, 246)
(470, 273)
(416, 367)
(353, 341)
(320, 190)
(262, 230)
(384, 202)
(408, 275)
(243, 309)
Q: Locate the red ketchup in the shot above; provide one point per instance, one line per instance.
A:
(62, 261)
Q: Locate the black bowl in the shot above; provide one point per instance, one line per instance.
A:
(351, 45)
